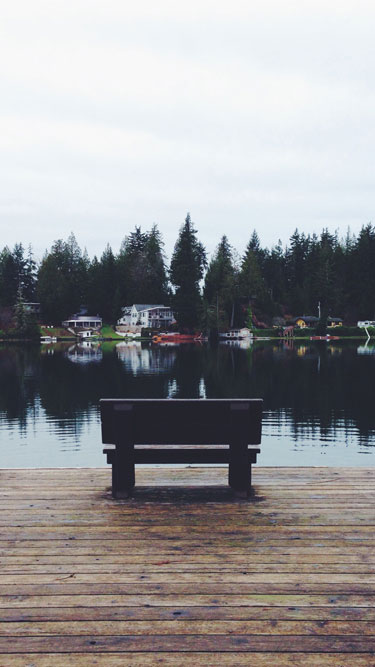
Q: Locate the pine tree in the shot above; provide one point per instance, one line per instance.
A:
(155, 283)
(363, 287)
(296, 272)
(16, 272)
(8, 278)
(21, 315)
(186, 271)
(29, 276)
(26, 324)
(220, 289)
(62, 280)
(252, 286)
(132, 267)
(102, 286)
(274, 275)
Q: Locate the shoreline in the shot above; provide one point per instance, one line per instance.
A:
(148, 340)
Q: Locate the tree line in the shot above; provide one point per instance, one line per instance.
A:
(229, 290)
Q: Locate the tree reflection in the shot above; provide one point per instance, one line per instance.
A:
(317, 387)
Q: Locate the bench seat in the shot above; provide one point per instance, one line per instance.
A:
(180, 431)
(178, 454)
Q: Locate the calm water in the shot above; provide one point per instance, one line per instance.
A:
(318, 397)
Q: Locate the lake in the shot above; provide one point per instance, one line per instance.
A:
(319, 397)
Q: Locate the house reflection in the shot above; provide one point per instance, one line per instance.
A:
(142, 359)
(85, 352)
(241, 343)
(366, 349)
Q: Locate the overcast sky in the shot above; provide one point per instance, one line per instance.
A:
(249, 114)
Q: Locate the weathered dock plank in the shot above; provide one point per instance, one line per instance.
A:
(184, 573)
(174, 659)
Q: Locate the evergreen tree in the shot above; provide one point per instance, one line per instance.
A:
(62, 280)
(29, 277)
(186, 271)
(274, 275)
(324, 279)
(21, 315)
(252, 286)
(132, 267)
(296, 272)
(363, 285)
(102, 286)
(142, 276)
(221, 289)
(259, 253)
(16, 271)
(349, 307)
(8, 278)
(26, 324)
(155, 285)
(94, 287)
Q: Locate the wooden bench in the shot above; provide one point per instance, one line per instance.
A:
(144, 431)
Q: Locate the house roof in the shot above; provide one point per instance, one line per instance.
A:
(76, 317)
(147, 306)
(334, 319)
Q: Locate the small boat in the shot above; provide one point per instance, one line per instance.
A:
(176, 338)
(325, 337)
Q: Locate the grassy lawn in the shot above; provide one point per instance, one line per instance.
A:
(108, 332)
(58, 332)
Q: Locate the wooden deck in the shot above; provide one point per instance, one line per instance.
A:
(187, 575)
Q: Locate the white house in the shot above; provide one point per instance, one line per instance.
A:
(87, 333)
(154, 316)
(83, 322)
(366, 323)
(236, 334)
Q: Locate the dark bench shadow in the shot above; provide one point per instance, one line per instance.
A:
(183, 495)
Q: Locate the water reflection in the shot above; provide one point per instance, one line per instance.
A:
(84, 352)
(145, 359)
(243, 344)
(367, 348)
(318, 396)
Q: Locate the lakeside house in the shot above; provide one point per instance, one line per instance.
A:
(303, 321)
(153, 316)
(236, 334)
(78, 321)
(363, 324)
(334, 322)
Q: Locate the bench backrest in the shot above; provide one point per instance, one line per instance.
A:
(181, 421)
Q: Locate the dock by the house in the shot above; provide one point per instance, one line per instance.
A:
(184, 574)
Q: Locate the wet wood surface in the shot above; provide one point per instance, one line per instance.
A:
(184, 573)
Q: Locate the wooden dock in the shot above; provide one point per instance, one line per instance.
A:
(185, 574)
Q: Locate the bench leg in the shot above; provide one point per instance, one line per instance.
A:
(239, 474)
(123, 472)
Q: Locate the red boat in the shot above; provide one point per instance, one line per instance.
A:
(176, 338)
(325, 337)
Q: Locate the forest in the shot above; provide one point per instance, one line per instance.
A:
(262, 287)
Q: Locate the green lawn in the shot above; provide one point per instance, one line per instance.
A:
(108, 332)
(58, 332)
